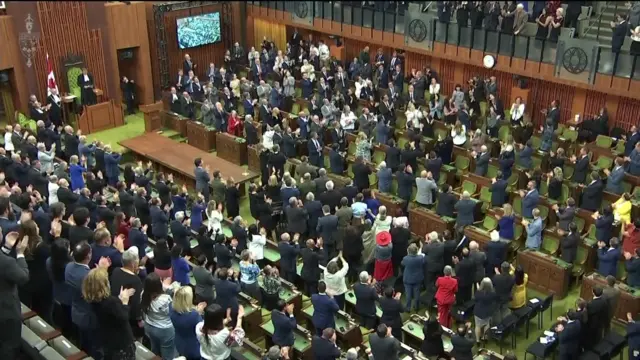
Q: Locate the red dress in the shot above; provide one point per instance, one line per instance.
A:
(446, 297)
(234, 126)
(631, 239)
(123, 229)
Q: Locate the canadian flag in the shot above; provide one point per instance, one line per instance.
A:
(51, 79)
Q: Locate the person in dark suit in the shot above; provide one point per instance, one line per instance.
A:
(446, 201)
(361, 172)
(604, 224)
(466, 274)
(608, 257)
(187, 64)
(597, 310)
(55, 107)
(503, 283)
(324, 345)
(349, 192)
(327, 228)
(289, 250)
(463, 342)
(592, 193)
(465, 208)
(498, 190)
(259, 72)
(314, 146)
(633, 336)
(496, 253)
(433, 164)
(392, 155)
(620, 30)
(312, 255)
(336, 160)
(392, 309)
(15, 273)
(632, 138)
(187, 108)
(565, 214)
(568, 332)
(227, 290)
(366, 297)
(530, 199)
(433, 250)
(581, 166)
(284, 323)
(250, 131)
(296, 216)
(325, 308)
(383, 344)
(87, 87)
(569, 244)
(482, 161)
(128, 88)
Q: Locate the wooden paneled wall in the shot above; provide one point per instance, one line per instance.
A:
(202, 55)
(274, 32)
(354, 47)
(627, 114)
(593, 102)
(16, 96)
(65, 30)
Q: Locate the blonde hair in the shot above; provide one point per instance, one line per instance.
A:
(95, 287)
(508, 210)
(557, 173)
(362, 136)
(73, 159)
(183, 300)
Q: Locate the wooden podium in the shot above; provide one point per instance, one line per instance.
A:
(152, 118)
(101, 116)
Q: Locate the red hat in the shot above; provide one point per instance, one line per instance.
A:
(383, 238)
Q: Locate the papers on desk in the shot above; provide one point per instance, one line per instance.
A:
(549, 333)
(534, 301)
(548, 338)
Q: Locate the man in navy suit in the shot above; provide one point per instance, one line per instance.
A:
(498, 190)
(569, 336)
(581, 166)
(247, 104)
(433, 164)
(283, 324)
(525, 156)
(615, 177)
(530, 199)
(325, 309)
(327, 227)
(366, 297)
(446, 201)
(324, 345)
(227, 290)
(608, 257)
(482, 161)
(633, 336)
(314, 145)
(634, 161)
(289, 251)
(336, 160)
(631, 140)
(592, 193)
(307, 87)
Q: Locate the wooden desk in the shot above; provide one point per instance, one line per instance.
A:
(393, 203)
(174, 122)
(546, 273)
(201, 136)
(301, 344)
(231, 148)
(179, 161)
(413, 334)
(290, 294)
(350, 304)
(252, 315)
(249, 350)
(347, 331)
(423, 221)
(629, 301)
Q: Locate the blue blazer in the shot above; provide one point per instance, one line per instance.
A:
(496, 254)
(283, 326)
(569, 339)
(288, 256)
(159, 222)
(631, 143)
(529, 202)
(385, 179)
(81, 313)
(465, 209)
(324, 310)
(604, 225)
(227, 294)
(139, 239)
(413, 269)
(634, 164)
(506, 227)
(186, 342)
(77, 181)
(248, 107)
(111, 161)
(608, 261)
(506, 163)
(614, 181)
(336, 162)
(307, 88)
(525, 157)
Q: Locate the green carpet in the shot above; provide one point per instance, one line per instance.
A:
(134, 126)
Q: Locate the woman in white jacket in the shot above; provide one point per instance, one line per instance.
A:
(256, 242)
(413, 116)
(214, 213)
(348, 119)
(335, 279)
(308, 69)
(517, 112)
(8, 144)
(46, 158)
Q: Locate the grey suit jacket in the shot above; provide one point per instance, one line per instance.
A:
(15, 272)
(204, 282)
(202, 180)
(289, 84)
(424, 194)
(566, 217)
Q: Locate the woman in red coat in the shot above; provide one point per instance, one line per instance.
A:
(234, 126)
(631, 237)
(446, 296)
(384, 249)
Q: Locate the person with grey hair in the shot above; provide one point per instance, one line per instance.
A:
(53, 189)
(479, 258)
(447, 287)
(413, 275)
(496, 252)
(127, 277)
(485, 307)
(366, 297)
(425, 186)
(385, 177)
(329, 185)
(352, 354)
(465, 208)
(46, 158)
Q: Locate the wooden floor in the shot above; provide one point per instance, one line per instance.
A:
(179, 157)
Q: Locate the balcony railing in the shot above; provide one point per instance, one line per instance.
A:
(391, 17)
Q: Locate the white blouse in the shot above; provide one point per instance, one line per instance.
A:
(413, 118)
(215, 221)
(309, 70)
(256, 246)
(517, 111)
(434, 89)
(347, 121)
(459, 138)
(8, 144)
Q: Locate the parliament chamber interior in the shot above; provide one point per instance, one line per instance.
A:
(320, 180)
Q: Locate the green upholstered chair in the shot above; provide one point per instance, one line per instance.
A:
(579, 223)
(295, 108)
(444, 175)
(568, 172)
(619, 147)
(571, 135)
(401, 122)
(462, 164)
(72, 77)
(564, 195)
(26, 123)
(535, 143)
(550, 245)
(544, 188)
(492, 171)
(604, 141)
(504, 132)
(621, 273)
(378, 156)
(578, 269)
(489, 223)
(604, 162)
(351, 149)
(469, 187)
(517, 204)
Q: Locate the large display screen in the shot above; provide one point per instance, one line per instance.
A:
(198, 30)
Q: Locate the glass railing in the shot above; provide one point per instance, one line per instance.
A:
(391, 17)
